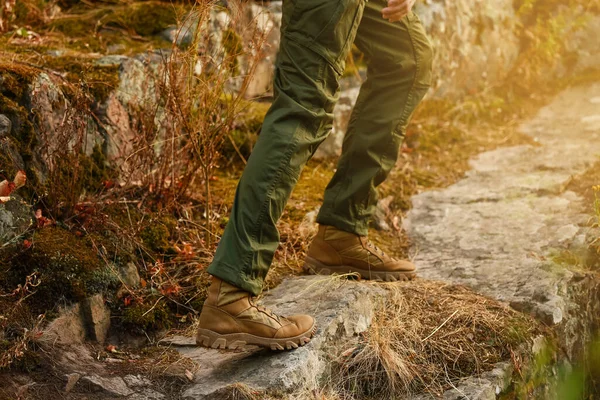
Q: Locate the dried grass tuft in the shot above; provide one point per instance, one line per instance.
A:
(426, 336)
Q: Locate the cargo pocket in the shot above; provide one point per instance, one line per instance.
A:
(327, 27)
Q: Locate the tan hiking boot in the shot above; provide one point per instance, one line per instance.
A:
(336, 251)
(230, 320)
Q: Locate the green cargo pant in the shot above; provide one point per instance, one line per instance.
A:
(316, 38)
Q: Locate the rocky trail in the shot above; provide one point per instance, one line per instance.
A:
(500, 231)
(496, 231)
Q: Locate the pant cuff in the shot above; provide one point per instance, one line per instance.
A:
(235, 277)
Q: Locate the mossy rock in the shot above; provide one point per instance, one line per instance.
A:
(14, 80)
(67, 266)
(157, 233)
(147, 317)
(144, 19)
(98, 80)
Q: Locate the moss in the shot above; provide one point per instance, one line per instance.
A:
(98, 80)
(96, 170)
(233, 46)
(157, 233)
(14, 79)
(145, 19)
(150, 18)
(29, 12)
(66, 265)
(104, 280)
(147, 317)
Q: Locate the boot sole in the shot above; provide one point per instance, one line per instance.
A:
(315, 267)
(234, 341)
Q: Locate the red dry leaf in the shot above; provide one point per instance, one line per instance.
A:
(6, 188)
(27, 243)
(173, 289)
(41, 220)
(187, 251)
(20, 179)
(127, 301)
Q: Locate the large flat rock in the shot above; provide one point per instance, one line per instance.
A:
(499, 229)
(342, 309)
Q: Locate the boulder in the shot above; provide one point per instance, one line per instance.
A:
(5, 126)
(343, 309)
(475, 42)
(67, 329)
(129, 275)
(113, 386)
(16, 217)
(97, 317)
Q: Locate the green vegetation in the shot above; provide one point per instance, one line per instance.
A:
(64, 263)
(14, 79)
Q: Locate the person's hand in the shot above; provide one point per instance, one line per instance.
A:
(397, 9)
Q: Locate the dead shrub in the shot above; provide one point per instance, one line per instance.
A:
(426, 336)
(198, 94)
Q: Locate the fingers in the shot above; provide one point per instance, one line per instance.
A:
(397, 9)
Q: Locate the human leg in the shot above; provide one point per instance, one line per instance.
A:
(399, 59)
(316, 38)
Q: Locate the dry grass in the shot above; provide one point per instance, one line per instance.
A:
(426, 336)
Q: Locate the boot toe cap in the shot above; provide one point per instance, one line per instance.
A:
(401, 266)
(299, 325)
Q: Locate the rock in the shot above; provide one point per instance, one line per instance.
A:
(585, 46)
(52, 110)
(16, 217)
(10, 149)
(97, 317)
(343, 309)
(56, 53)
(111, 60)
(145, 394)
(475, 42)
(67, 329)
(267, 23)
(5, 126)
(130, 275)
(113, 386)
(72, 380)
(136, 381)
(499, 229)
(135, 93)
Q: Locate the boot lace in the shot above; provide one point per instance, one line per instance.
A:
(265, 310)
(375, 249)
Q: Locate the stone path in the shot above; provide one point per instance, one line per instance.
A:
(495, 231)
(342, 310)
(499, 229)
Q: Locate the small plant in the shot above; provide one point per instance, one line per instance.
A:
(198, 96)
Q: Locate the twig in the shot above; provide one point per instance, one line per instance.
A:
(152, 308)
(440, 327)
